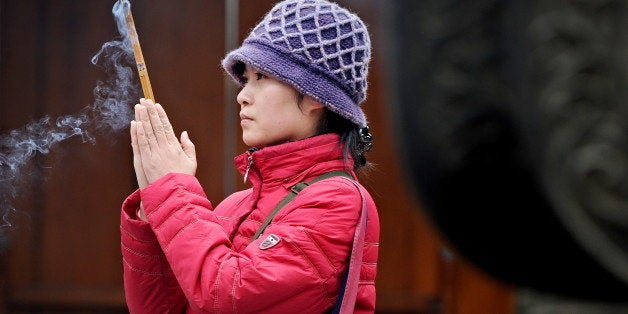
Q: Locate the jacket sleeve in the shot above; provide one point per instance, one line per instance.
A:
(299, 274)
(149, 284)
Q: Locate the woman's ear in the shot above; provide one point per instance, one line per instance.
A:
(309, 105)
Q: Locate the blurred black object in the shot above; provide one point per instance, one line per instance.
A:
(512, 123)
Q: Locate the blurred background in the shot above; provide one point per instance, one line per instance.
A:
(500, 148)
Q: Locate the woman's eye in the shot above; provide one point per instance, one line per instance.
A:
(260, 75)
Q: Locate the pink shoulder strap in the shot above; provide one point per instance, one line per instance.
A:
(355, 263)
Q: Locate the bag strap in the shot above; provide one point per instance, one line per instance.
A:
(349, 290)
(294, 190)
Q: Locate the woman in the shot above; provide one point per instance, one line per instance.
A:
(303, 74)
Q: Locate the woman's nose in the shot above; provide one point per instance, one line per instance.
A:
(244, 97)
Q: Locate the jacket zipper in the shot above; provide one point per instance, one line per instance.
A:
(248, 167)
(249, 163)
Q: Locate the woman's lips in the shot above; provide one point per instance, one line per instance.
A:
(244, 119)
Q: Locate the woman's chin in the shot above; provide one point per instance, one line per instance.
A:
(253, 142)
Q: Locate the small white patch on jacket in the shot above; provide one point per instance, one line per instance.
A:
(270, 241)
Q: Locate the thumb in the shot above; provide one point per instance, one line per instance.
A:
(187, 145)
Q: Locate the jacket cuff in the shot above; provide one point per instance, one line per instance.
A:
(129, 221)
(140, 248)
(173, 203)
(156, 194)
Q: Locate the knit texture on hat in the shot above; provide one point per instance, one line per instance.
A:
(316, 46)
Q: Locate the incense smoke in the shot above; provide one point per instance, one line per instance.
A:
(111, 112)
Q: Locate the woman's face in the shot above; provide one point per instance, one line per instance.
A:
(270, 112)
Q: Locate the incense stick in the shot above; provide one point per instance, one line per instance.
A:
(137, 51)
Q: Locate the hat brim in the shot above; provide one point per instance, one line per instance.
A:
(306, 78)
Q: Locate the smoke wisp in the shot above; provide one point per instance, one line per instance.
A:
(110, 113)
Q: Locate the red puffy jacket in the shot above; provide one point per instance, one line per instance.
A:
(190, 258)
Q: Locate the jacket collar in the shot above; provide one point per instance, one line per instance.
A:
(294, 161)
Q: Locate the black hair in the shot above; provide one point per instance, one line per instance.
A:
(357, 141)
(239, 68)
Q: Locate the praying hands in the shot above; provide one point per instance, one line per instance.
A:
(156, 149)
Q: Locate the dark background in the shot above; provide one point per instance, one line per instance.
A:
(62, 253)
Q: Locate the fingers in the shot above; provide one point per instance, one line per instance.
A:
(136, 150)
(188, 146)
(142, 140)
(159, 151)
(169, 132)
(156, 122)
(146, 129)
(137, 112)
(161, 127)
(137, 158)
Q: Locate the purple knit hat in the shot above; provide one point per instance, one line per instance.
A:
(316, 46)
